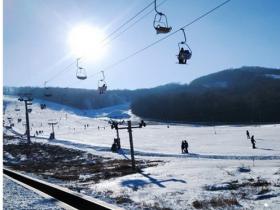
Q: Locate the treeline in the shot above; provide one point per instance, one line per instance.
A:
(78, 98)
(242, 97)
(245, 95)
(86, 98)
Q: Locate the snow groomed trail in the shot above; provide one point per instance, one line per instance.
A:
(126, 152)
(154, 154)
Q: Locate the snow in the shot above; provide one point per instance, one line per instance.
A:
(216, 156)
(274, 76)
(18, 197)
(116, 112)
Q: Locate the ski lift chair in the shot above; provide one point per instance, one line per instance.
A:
(185, 52)
(160, 22)
(47, 91)
(81, 72)
(102, 86)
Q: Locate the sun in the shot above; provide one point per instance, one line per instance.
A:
(87, 41)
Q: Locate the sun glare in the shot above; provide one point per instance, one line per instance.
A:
(87, 41)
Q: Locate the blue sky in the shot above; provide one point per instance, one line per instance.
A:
(242, 33)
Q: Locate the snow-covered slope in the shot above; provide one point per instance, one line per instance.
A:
(116, 112)
(216, 153)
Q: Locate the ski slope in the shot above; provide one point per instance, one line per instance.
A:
(216, 153)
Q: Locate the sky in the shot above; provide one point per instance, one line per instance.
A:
(36, 46)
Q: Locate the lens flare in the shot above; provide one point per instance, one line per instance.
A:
(87, 41)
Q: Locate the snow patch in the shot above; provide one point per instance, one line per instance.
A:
(273, 76)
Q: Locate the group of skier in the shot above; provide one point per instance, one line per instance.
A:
(184, 146)
(253, 141)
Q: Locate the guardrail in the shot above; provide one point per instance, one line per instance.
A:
(74, 199)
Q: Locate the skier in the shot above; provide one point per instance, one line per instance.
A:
(253, 142)
(181, 58)
(182, 146)
(248, 134)
(186, 145)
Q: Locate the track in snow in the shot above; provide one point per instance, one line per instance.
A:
(157, 154)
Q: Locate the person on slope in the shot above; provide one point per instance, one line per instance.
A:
(253, 141)
(248, 134)
(186, 146)
(182, 146)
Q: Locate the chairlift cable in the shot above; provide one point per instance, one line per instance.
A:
(130, 26)
(128, 21)
(159, 40)
(60, 72)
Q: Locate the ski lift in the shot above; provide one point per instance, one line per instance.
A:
(29, 110)
(160, 22)
(102, 85)
(47, 90)
(185, 52)
(81, 72)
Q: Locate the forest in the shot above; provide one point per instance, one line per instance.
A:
(243, 95)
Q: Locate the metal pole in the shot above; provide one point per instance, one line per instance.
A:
(131, 144)
(118, 137)
(27, 123)
(53, 131)
(117, 129)
(52, 135)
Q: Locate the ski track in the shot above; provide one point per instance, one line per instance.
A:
(156, 154)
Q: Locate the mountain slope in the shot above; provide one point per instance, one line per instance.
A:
(245, 95)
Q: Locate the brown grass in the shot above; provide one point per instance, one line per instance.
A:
(68, 164)
(216, 202)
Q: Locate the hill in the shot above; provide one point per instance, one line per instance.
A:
(243, 95)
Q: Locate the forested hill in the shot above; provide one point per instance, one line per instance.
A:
(244, 95)
(86, 98)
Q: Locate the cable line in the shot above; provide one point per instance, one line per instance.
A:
(63, 70)
(115, 31)
(129, 20)
(159, 40)
(130, 26)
